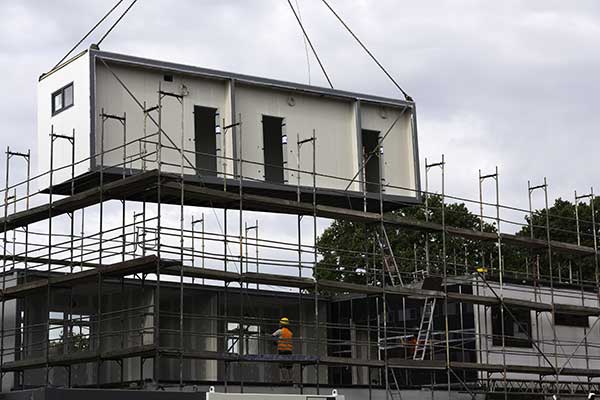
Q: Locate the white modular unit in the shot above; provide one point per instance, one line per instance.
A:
(575, 339)
(218, 118)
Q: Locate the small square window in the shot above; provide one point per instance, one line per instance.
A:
(62, 99)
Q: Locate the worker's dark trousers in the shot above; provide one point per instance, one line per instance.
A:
(285, 368)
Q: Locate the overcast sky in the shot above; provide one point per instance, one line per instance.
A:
(508, 83)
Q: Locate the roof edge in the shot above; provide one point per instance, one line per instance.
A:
(61, 65)
(247, 79)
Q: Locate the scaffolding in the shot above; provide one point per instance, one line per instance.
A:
(137, 229)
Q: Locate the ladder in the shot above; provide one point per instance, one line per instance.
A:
(424, 329)
(389, 261)
(394, 386)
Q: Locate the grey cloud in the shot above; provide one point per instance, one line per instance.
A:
(507, 83)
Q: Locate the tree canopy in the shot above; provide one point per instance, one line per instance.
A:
(348, 249)
(343, 245)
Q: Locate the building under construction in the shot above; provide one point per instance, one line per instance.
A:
(135, 259)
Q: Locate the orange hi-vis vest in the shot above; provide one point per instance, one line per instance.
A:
(285, 340)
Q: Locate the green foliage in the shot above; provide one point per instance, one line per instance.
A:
(343, 245)
(563, 228)
(348, 248)
(73, 341)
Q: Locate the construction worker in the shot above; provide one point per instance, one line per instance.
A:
(283, 336)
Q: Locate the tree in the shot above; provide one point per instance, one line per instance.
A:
(344, 245)
(562, 222)
(348, 249)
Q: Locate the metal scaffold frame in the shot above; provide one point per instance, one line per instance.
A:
(148, 246)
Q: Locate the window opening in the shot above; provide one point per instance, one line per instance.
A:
(582, 321)
(62, 99)
(251, 338)
(516, 334)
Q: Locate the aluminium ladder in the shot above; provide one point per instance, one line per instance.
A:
(394, 387)
(424, 329)
(389, 261)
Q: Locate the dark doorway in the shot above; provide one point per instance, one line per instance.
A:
(206, 140)
(273, 148)
(370, 140)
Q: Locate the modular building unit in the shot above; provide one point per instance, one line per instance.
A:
(227, 125)
(534, 338)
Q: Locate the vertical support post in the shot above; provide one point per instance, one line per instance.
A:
(315, 256)
(482, 179)
(427, 266)
(581, 288)
(48, 298)
(550, 266)
(442, 166)
(100, 248)
(384, 284)
(226, 295)
(156, 336)
(53, 137)
(14, 199)
(28, 194)
(123, 335)
(531, 189)
(201, 222)
(299, 228)
(4, 256)
(246, 230)
(242, 338)
(181, 241)
(595, 237)
(299, 144)
(224, 139)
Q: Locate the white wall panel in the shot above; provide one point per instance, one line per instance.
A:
(75, 118)
(144, 84)
(398, 151)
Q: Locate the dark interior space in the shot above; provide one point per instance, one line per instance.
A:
(273, 148)
(206, 140)
(370, 140)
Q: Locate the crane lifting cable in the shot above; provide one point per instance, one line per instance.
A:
(406, 96)
(118, 3)
(305, 44)
(113, 8)
(310, 43)
(117, 22)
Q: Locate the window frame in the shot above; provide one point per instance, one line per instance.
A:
(233, 337)
(511, 338)
(570, 320)
(61, 92)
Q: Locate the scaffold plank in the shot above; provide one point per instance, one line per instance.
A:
(120, 188)
(172, 267)
(525, 369)
(219, 198)
(129, 267)
(79, 357)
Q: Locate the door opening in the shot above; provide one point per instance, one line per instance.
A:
(370, 140)
(206, 140)
(273, 148)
